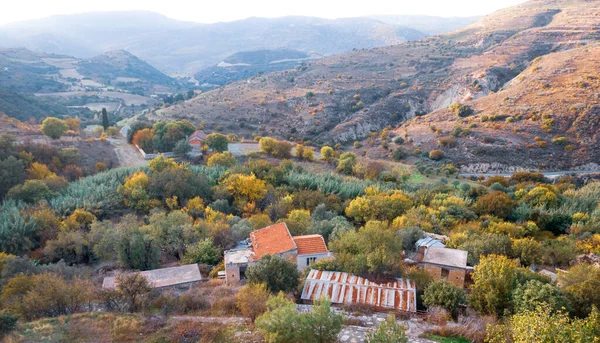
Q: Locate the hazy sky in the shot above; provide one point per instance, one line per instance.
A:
(210, 11)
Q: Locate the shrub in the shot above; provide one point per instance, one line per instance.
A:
(447, 142)
(443, 293)
(436, 155)
(224, 159)
(252, 300)
(461, 110)
(387, 332)
(496, 203)
(54, 127)
(276, 273)
(8, 322)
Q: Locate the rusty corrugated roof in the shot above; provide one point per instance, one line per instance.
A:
(344, 288)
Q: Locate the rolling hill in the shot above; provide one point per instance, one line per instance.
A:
(24, 73)
(344, 98)
(178, 47)
(250, 63)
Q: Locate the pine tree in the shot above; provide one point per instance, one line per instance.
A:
(105, 123)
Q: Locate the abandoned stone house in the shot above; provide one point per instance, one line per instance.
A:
(274, 240)
(446, 264)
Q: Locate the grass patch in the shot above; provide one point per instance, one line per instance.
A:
(447, 339)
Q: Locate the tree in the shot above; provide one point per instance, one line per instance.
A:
(388, 332)
(308, 154)
(276, 273)
(135, 191)
(17, 231)
(282, 150)
(322, 324)
(495, 203)
(346, 162)
(436, 155)
(203, 252)
(144, 139)
(8, 322)
(12, 173)
(530, 295)
(217, 142)
(245, 187)
(171, 232)
(281, 323)
(528, 251)
(30, 192)
(136, 250)
(132, 287)
(443, 293)
(327, 153)
(182, 148)
(383, 206)
(494, 279)
(105, 123)
(267, 145)
(252, 300)
(461, 110)
(580, 285)
(298, 222)
(54, 127)
(223, 159)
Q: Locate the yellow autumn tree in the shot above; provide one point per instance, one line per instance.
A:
(135, 191)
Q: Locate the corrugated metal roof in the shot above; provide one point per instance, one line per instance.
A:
(429, 242)
(344, 288)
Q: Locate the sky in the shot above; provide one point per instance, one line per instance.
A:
(210, 11)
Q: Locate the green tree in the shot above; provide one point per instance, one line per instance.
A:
(31, 191)
(322, 324)
(54, 127)
(8, 322)
(12, 173)
(171, 232)
(443, 293)
(136, 250)
(182, 148)
(202, 252)
(346, 163)
(217, 142)
(276, 273)
(224, 159)
(530, 295)
(580, 285)
(105, 122)
(461, 110)
(494, 280)
(388, 332)
(281, 323)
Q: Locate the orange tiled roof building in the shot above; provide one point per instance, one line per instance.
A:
(274, 240)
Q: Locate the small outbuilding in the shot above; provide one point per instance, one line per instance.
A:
(180, 277)
(446, 264)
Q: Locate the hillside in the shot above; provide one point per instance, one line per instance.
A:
(343, 98)
(243, 65)
(180, 47)
(37, 85)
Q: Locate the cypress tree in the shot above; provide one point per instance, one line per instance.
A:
(105, 123)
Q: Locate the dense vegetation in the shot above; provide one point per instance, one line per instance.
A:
(142, 217)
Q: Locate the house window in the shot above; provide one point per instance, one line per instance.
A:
(445, 273)
(310, 260)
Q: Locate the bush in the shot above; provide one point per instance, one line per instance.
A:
(443, 293)
(54, 127)
(436, 155)
(252, 300)
(276, 273)
(461, 110)
(8, 322)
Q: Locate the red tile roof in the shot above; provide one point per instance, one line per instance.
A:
(274, 239)
(310, 244)
(198, 135)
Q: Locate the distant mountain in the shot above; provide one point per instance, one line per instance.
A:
(183, 47)
(427, 24)
(250, 63)
(24, 73)
(527, 112)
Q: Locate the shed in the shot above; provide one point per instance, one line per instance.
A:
(165, 277)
